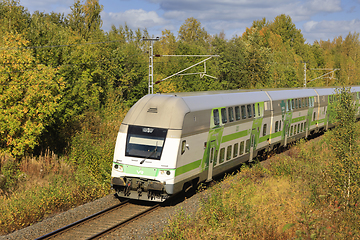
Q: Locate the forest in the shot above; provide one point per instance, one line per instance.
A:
(66, 85)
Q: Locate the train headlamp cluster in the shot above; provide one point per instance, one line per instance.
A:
(163, 172)
(119, 168)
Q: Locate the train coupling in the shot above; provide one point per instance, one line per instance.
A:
(135, 188)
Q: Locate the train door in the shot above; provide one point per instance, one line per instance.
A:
(286, 129)
(211, 160)
(252, 144)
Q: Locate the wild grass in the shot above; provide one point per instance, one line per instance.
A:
(45, 186)
(36, 187)
(288, 197)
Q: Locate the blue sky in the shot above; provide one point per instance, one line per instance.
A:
(317, 19)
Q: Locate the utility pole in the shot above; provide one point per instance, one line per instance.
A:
(305, 74)
(151, 63)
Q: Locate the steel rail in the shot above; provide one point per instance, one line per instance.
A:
(74, 224)
(116, 226)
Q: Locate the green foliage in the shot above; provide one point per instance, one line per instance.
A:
(344, 169)
(28, 99)
(10, 176)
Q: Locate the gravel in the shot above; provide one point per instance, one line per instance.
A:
(142, 228)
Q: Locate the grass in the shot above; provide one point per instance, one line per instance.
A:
(287, 197)
(37, 187)
(47, 185)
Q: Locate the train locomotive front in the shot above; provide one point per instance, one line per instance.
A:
(147, 147)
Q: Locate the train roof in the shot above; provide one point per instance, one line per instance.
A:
(168, 110)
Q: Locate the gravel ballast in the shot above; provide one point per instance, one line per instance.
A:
(142, 228)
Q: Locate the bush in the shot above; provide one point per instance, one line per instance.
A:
(9, 177)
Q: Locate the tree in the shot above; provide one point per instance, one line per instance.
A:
(257, 59)
(344, 169)
(29, 95)
(191, 31)
(13, 17)
(85, 19)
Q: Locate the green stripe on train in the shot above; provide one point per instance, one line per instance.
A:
(187, 167)
(234, 136)
(299, 119)
(142, 171)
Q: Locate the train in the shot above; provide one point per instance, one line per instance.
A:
(169, 143)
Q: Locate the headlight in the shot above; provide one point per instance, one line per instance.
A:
(119, 168)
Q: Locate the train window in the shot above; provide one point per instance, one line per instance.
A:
(145, 142)
(287, 106)
(236, 149)
(291, 130)
(237, 113)
(298, 129)
(276, 126)
(254, 110)
(296, 103)
(228, 152)
(314, 117)
(223, 115)
(280, 125)
(302, 127)
(216, 157)
(247, 147)
(183, 147)
(295, 129)
(243, 112)
(258, 109)
(231, 114)
(300, 103)
(249, 110)
(306, 102)
(241, 148)
(292, 104)
(264, 129)
(216, 117)
(305, 126)
(289, 103)
(222, 155)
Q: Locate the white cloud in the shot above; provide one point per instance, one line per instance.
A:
(48, 5)
(134, 18)
(325, 30)
(333, 26)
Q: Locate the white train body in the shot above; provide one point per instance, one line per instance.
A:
(169, 143)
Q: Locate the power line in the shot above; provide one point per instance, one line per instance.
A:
(68, 65)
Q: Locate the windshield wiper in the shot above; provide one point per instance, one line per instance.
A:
(152, 152)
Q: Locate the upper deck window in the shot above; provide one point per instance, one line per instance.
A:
(249, 110)
(223, 115)
(216, 117)
(145, 142)
(243, 112)
(237, 113)
(231, 114)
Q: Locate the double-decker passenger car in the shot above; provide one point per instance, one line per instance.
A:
(170, 142)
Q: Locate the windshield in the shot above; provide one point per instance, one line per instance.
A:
(145, 142)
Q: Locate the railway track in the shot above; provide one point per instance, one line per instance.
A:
(102, 223)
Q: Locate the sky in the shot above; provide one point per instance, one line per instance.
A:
(317, 19)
